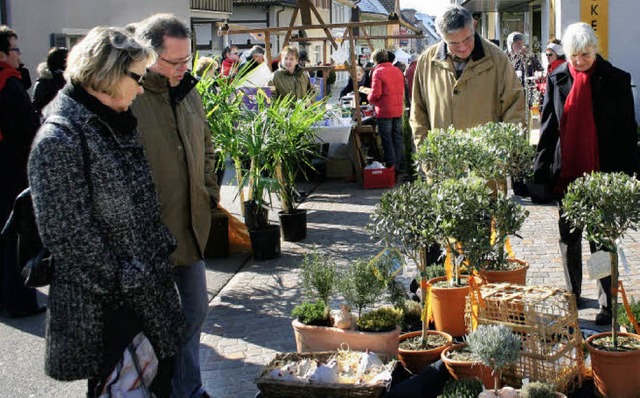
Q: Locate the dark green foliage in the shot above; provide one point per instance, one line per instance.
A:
(315, 313)
(466, 388)
(537, 389)
(318, 276)
(604, 205)
(360, 286)
(383, 319)
(623, 318)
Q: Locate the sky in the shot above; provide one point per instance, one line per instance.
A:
(431, 7)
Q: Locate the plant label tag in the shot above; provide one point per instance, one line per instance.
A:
(599, 265)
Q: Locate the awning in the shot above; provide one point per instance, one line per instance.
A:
(496, 5)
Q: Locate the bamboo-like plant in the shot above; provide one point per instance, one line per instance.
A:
(604, 206)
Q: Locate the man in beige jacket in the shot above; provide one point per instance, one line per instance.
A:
(463, 81)
(177, 141)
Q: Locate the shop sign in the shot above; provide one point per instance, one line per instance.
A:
(596, 14)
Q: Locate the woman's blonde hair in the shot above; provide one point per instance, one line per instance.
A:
(104, 56)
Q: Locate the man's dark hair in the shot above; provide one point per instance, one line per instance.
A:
(156, 27)
(57, 59)
(6, 33)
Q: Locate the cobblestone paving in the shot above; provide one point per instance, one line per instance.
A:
(249, 320)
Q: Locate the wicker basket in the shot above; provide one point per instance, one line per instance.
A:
(272, 388)
(547, 320)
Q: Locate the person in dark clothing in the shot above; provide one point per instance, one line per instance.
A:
(255, 58)
(51, 78)
(350, 87)
(97, 212)
(18, 125)
(588, 124)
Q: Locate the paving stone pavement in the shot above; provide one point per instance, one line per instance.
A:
(249, 320)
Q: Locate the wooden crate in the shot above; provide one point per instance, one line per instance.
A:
(547, 321)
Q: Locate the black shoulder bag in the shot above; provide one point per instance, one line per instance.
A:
(37, 259)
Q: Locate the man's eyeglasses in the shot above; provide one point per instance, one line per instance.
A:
(16, 49)
(176, 64)
(139, 79)
(465, 42)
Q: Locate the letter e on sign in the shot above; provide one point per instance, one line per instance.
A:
(596, 14)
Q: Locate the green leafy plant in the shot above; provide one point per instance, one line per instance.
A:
(465, 388)
(311, 313)
(383, 319)
(623, 318)
(537, 389)
(406, 219)
(294, 141)
(359, 285)
(604, 206)
(495, 346)
(319, 275)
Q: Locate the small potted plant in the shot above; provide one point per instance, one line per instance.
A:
(294, 143)
(464, 388)
(538, 389)
(375, 330)
(605, 206)
(497, 347)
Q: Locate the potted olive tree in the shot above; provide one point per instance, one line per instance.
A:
(406, 218)
(375, 330)
(293, 145)
(605, 206)
(493, 152)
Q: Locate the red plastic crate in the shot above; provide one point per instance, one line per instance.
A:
(379, 178)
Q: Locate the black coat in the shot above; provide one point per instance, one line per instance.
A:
(18, 124)
(614, 116)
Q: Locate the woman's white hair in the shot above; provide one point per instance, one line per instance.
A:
(103, 57)
(579, 38)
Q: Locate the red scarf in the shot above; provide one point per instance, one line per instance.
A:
(578, 135)
(7, 71)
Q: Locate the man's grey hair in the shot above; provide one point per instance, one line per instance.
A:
(156, 27)
(578, 38)
(102, 58)
(255, 50)
(453, 19)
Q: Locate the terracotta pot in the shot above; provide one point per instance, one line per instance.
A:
(324, 338)
(415, 361)
(615, 374)
(447, 306)
(467, 369)
(516, 276)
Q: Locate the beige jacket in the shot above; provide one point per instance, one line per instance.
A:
(488, 90)
(179, 149)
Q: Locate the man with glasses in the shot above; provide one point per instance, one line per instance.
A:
(463, 81)
(19, 123)
(177, 142)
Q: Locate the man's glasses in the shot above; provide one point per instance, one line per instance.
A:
(16, 49)
(176, 64)
(139, 79)
(465, 42)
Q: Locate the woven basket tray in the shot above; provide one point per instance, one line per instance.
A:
(272, 388)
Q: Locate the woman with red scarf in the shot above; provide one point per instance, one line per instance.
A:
(588, 124)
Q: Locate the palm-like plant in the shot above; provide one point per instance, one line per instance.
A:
(294, 140)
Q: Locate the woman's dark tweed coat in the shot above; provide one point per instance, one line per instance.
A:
(108, 243)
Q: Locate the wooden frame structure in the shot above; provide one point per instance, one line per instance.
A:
(305, 8)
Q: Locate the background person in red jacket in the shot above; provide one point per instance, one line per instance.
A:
(387, 96)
